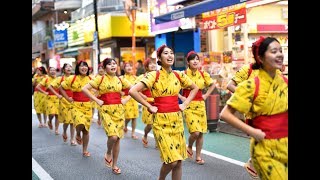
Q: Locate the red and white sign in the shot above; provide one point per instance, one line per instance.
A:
(225, 17)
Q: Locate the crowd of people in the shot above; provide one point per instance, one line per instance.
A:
(261, 93)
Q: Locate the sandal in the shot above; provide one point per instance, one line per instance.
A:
(134, 137)
(40, 126)
(190, 154)
(86, 154)
(79, 140)
(116, 171)
(144, 142)
(200, 161)
(64, 137)
(108, 163)
(72, 143)
(253, 174)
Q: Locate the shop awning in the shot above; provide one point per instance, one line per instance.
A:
(195, 9)
(71, 52)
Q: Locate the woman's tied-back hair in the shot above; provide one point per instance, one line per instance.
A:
(259, 48)
(63, 70)
(107, 61)
(42, 69)
(146, 63)
(159, 52)
(81, 62)
(191, 55)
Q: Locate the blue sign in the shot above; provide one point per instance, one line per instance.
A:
(60, 35)
(195, 9)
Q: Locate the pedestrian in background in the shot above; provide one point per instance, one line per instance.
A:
(64, 105)
(81, 106)
(266, 98)
(147, 117)
(195, 115)
(112, 110)
(140, 68)
(51, 100)
(131, 108)
(38, 97)
(168, 129)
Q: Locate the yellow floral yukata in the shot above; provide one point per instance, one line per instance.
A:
(51, 100)
(64, 105)
(195, 115)
(81, 112)
(131, 107)
(112, 114)
(38, 97)
(147, 117)
(168, 127)
(270, 156)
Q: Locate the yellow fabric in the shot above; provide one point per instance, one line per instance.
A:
(51, 101)
(131, 107)
(270, 157)
(147, 117)
(38, 97)
(112, 115)
(64, 105)
(195, 115)
(243, 72)
(168, 127)
(81, 112)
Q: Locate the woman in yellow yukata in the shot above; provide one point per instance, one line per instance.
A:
(64, 105)
(167, 126)
(147, 117)
(38, 97)
(101, 72)
(81, 110)
(51, 100)
(195, 115)
(131, 108)
(266, 98)
(112, 110)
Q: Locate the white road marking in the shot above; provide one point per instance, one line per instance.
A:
(39, 171)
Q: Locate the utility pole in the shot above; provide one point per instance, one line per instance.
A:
(96, 42)
(96, 27)
(133, 9)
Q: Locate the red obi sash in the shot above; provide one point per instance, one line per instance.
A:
(69, 93)
(51, 93)
(167, 104)
(80, 96)
(111, 98)
(42, 87)
(126, 91)
(198, 96)
(147, 92)
(275, 126)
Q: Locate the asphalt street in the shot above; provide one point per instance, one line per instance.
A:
(54, 159)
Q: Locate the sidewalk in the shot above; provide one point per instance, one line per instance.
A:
(228, 129)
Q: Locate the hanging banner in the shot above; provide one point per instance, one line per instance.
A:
(225, 17)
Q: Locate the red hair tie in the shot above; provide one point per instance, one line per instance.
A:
(190, 53)
(39, 68)
(100, 65)
(160, 49)
(257, 44)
